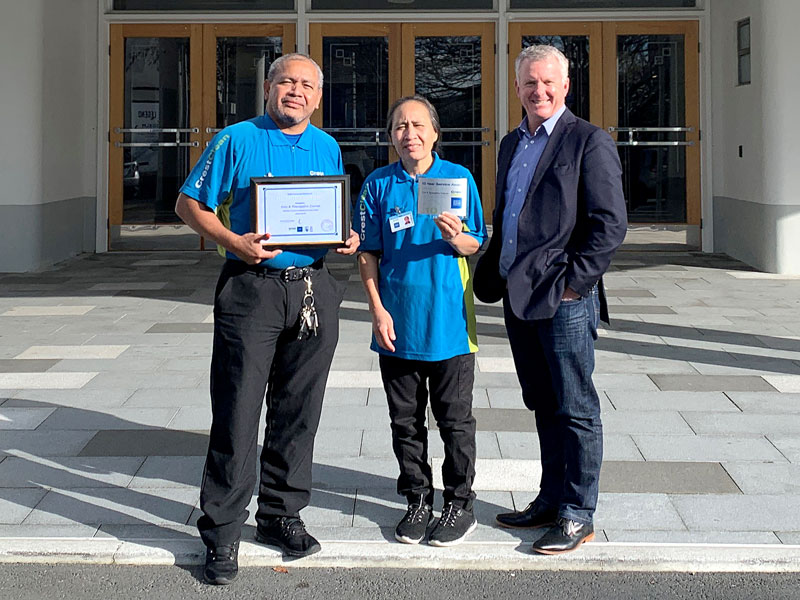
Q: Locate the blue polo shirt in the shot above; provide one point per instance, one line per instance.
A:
(424, 284)
(257, 148)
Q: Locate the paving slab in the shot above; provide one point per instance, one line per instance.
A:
(755, 478)
(523, 445)
(649, 422)
(17, 504)
(23, 418)
(31, 471)
(671, 401)
(39, 381)
(83, 351)
(707, 448)
(745, 512)
(732, 423)
(49, 533)
(44, 443)
(766, 402)
(112, 418)
(666, 477)
(96, 506)
(711, 383)
(146, 442)
(637, 512)
(784, 383)
(787, 445)
(169, 472)
(160, 397)
(25, 365)
(692, 537)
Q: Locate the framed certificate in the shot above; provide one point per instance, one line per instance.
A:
(301, 211)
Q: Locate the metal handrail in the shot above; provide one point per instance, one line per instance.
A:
(651, 129)
(638, 143)
(155, 144)
(374, 129)
(158, 130)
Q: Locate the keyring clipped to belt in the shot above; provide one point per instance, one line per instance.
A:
(309, 321)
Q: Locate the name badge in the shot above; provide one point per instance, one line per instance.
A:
(402, 221)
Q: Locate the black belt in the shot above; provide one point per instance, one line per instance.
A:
(287, 274)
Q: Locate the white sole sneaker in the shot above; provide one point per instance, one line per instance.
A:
(407, 540)
(440, 544)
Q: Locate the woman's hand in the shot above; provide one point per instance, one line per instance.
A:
(449, 225)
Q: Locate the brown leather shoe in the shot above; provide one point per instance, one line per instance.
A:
(566, 536)
(530, 518)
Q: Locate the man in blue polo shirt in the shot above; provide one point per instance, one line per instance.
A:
(256, 323)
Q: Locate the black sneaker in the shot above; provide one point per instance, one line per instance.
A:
(222, 564)
(412, 527)
(289, 534)
(455, 524)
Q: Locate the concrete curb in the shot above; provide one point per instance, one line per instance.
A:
(604, 556)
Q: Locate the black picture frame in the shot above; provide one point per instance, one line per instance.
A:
(311, 235)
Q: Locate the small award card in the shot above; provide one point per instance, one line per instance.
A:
(437, 196)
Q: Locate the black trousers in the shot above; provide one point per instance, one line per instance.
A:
(450, 381)
(256, 350)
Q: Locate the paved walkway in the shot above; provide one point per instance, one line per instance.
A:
(104, 413)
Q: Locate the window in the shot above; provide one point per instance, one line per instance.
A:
(204, 5)
(743, 51)
(577, 4)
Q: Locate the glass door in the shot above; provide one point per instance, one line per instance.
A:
(638, 80)
(652, 110)
(368, 66)
(154, 113)
(171, 88)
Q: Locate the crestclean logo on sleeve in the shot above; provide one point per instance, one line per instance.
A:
(362, 206)
(207, 167)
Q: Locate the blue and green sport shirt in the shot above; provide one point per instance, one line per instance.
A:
(424, 284)
(257, 148)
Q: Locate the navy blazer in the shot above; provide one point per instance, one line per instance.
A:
(572, 221)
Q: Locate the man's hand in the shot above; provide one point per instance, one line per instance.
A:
(383, 327)
(249, 247)
(351, 245)
(570, 294)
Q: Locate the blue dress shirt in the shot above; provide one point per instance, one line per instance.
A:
(520, 173)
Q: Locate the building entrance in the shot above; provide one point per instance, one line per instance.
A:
(639, 80)
(172, 87)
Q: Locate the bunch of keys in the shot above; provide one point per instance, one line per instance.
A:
(309, 321)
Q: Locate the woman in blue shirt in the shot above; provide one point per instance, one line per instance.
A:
(419, 287)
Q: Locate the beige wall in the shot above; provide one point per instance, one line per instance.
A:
(756, 198)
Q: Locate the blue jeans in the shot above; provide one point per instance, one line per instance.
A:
(554, 359)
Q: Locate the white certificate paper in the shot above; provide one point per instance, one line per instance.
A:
(437, 196)
(306, 212)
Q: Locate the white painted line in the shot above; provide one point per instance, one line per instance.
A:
(45, 381)
(47, 311)
(129, 285)
(74, 352)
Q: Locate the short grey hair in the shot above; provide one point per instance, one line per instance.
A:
(277, 65)
(539, 52)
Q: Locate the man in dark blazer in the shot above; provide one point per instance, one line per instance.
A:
(559, 218)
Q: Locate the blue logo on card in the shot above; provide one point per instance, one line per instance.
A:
(299, 230)
(455, 202)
